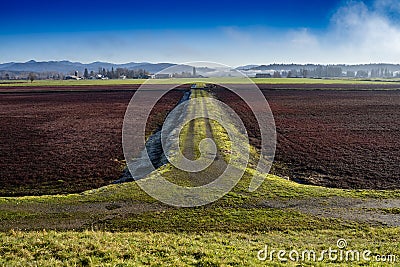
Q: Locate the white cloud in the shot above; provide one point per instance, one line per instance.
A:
(358, 33)
(387, 5)
(365, 33)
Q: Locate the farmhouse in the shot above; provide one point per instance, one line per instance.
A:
(72, 77)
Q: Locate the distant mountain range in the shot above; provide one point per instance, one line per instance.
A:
(70, 67)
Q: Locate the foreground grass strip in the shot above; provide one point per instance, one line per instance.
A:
(98, 248)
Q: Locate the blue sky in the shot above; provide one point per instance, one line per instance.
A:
(232, 33)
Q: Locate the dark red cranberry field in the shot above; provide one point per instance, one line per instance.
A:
(333, 138)
(63, 142)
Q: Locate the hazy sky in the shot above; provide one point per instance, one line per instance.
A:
(252, 32)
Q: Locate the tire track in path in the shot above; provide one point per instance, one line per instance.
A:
(197, 130)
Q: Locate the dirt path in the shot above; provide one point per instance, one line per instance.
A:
(219, 165)
(37, 216)
(372, 211)
(195, 131)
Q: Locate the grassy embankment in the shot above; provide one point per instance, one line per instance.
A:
(227, 232)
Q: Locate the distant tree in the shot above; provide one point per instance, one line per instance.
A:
(350, 74)
(375, 73)
(319, 71)
(86, 74)
(304, 73)
(108, 74)
(277, 74)
(31, 77)
(293, 73)
(7, 76)
(362, 74)
(388, 73)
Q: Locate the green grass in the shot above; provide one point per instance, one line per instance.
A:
(223, 80)
(98, 248)
(224, 218)
(322, 81)
(70, 82)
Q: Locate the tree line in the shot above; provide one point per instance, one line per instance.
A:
(336, 71)
(117, 73)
